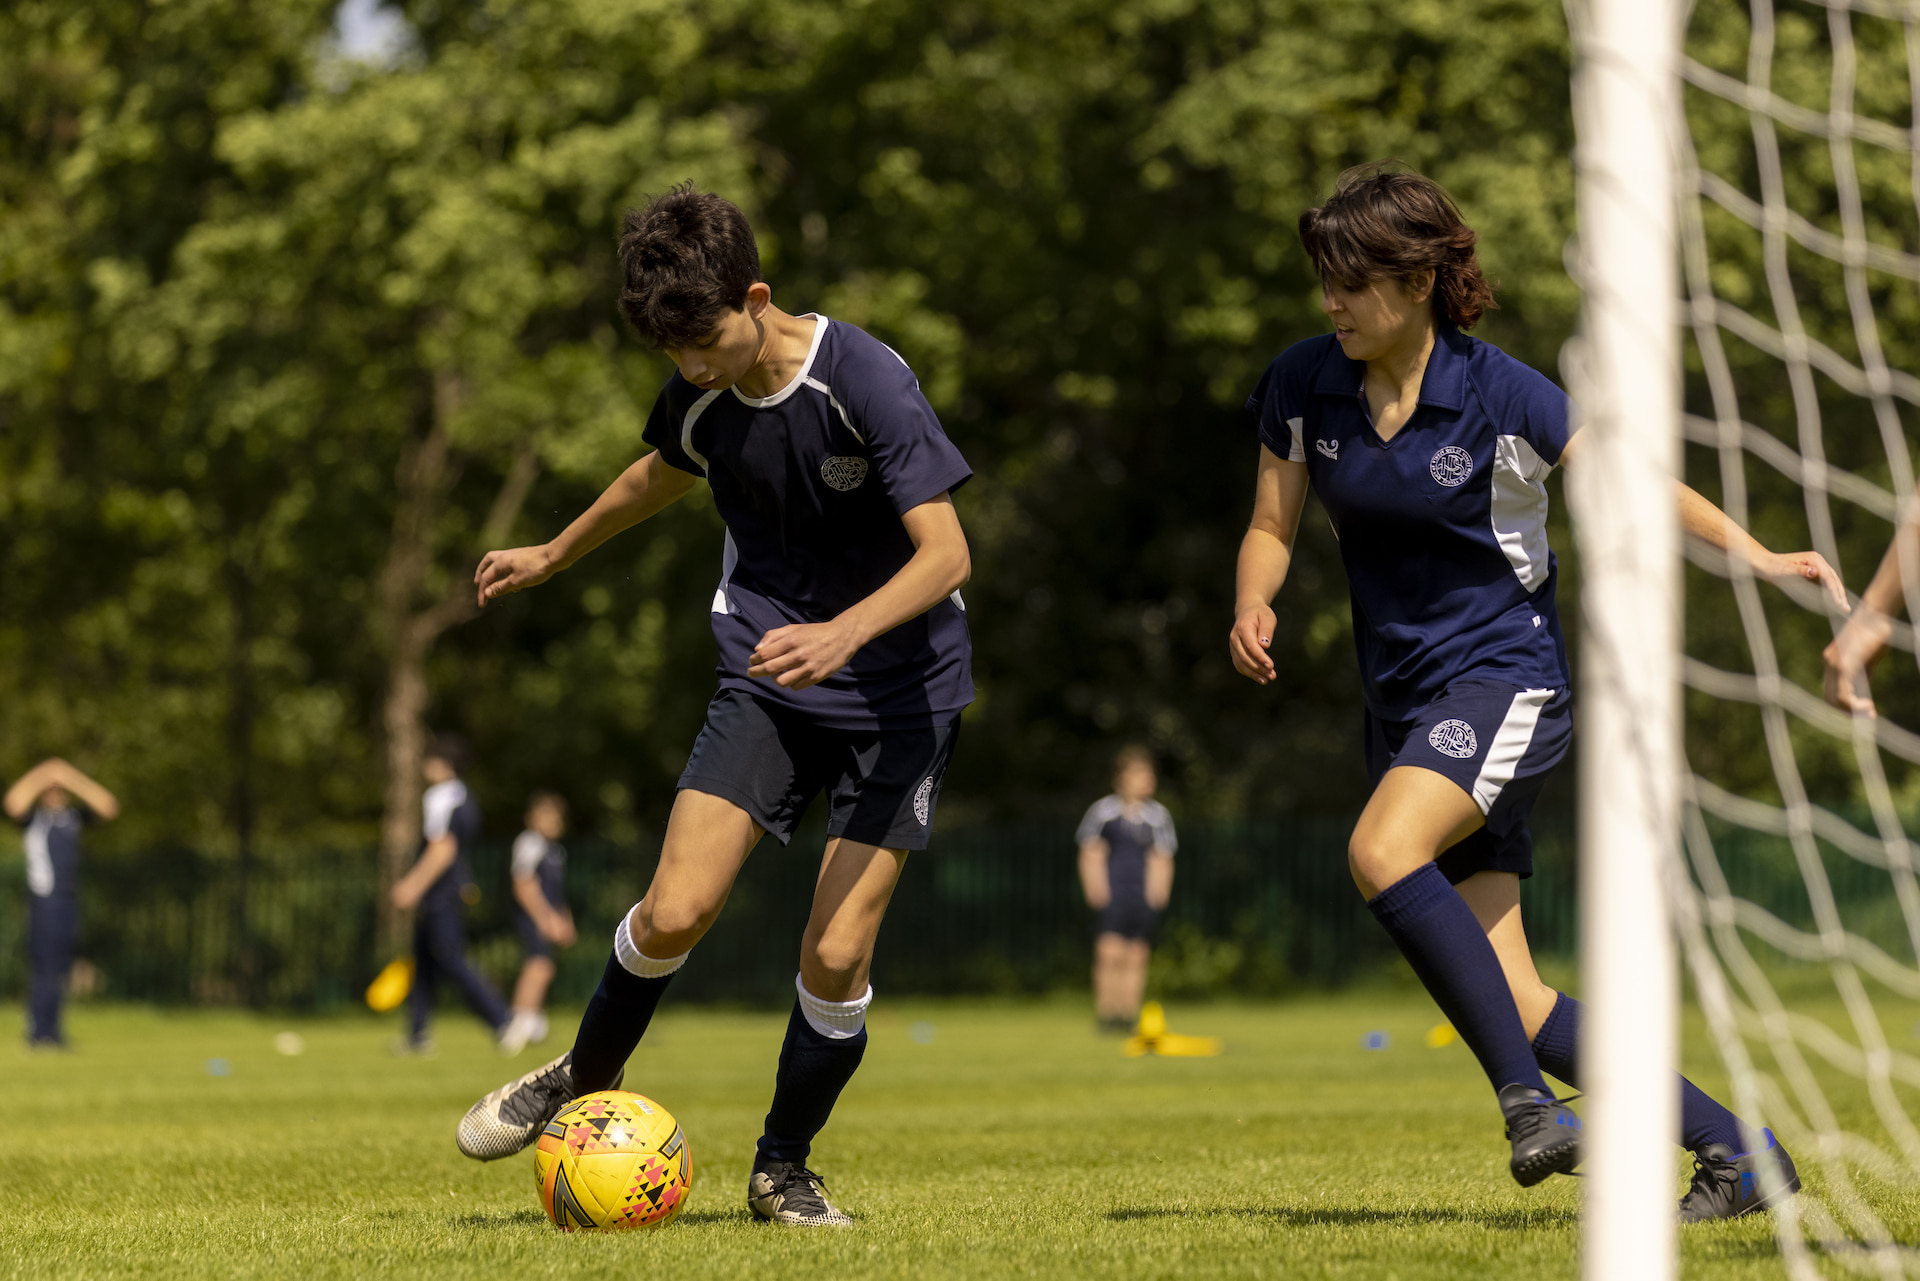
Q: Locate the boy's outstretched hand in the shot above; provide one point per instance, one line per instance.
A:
(502, 573)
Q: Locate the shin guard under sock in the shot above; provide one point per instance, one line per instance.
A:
(825, 1043)
(618, 1014)
(1441, 938)
(1702, 1119)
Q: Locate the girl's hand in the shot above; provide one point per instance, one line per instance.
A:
(1248, 641)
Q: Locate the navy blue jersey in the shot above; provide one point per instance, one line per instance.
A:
(812, 482)
(52, 840)
(1443, 529)
(449, 809)
(544, 860)
(1131, 833)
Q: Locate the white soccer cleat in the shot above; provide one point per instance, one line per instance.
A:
(788, 1193)
(510, 1119)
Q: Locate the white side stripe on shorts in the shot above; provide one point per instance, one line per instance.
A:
(1509, 744)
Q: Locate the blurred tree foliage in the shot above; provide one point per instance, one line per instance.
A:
(285, 338)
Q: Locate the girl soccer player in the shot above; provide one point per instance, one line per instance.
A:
(1430, 451)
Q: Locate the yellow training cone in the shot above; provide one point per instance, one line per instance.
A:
(1152, 1037)
(390, 986)
(1440, 1037)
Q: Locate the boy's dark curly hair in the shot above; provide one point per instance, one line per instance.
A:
(685, 260)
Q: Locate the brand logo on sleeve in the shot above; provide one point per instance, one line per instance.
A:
(1451, 465)
(1453, 738)
(844, 472)
(923, 801)
(1331, 448)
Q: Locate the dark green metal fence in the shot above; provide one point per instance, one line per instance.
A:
(1258, 908)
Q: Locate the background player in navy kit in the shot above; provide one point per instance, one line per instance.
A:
(434, 889)
(42, 801)
(1429, 451)
(540, 915)
(1126, 871)
(844, 660)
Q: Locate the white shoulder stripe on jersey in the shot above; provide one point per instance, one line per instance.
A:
(39, 856)
(686, 429)
(1509, 744)
(1297, 451)
(827, 391)
(1519, 508)
(729, 557)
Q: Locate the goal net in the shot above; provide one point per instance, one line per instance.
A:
(1792, 169)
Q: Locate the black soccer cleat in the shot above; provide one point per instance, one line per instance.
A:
(787, 1192)
(1727, 1184)
(1544, 1131)
(510, 1119)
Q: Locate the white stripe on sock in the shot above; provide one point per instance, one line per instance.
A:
(633, 961)
(836, 1020)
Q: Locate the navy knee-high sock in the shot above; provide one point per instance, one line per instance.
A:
(813, 1071)
(1702, 1120)
(1440, 937)
(615, 1020)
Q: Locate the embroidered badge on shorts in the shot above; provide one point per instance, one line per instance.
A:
(923, 800)
(844, 472)
(1451, 465)
(1453, 738)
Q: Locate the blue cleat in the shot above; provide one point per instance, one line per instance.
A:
(1727, 1184)
(1545, 1134)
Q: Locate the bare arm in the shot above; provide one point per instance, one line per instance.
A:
(1861, 641)
(55, 772)
(803, 654)
(1159, 879)
(1093, 874)
(434, 861)
(1702, 520)
(644, 489)
(548, 919)
(1279, 494)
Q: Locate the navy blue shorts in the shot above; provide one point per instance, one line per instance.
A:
(1130, 918)
(1498, 742)
(881, 785)
(532, 941)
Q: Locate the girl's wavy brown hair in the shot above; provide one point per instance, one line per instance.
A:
(1383, 223)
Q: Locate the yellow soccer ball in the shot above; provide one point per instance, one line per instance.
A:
(613, 1160)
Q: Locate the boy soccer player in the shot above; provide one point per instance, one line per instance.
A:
(844, 661)
(450, 824)
(540, 915)
(1126, 871)
(41, 801)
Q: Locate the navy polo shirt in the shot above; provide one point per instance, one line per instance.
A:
(449, 809)
(52, 840)
(1443, 529)
(812, 482)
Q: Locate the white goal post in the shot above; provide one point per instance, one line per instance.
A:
(1624, 371)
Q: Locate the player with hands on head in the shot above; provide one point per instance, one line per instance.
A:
(844, 661)
(52, 802)
(1430, 451)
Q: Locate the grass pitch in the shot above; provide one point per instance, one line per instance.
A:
(979, 1140)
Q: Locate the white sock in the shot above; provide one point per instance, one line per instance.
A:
(835, 1020)
(634, 962)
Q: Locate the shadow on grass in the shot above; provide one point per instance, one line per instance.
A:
(537, 1218)
(1499, 1220)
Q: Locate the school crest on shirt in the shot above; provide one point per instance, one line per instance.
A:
(1453, 738)
(923, 800)
(844, 472)
(1451, 465)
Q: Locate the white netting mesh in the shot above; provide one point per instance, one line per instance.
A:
(1800, 912)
